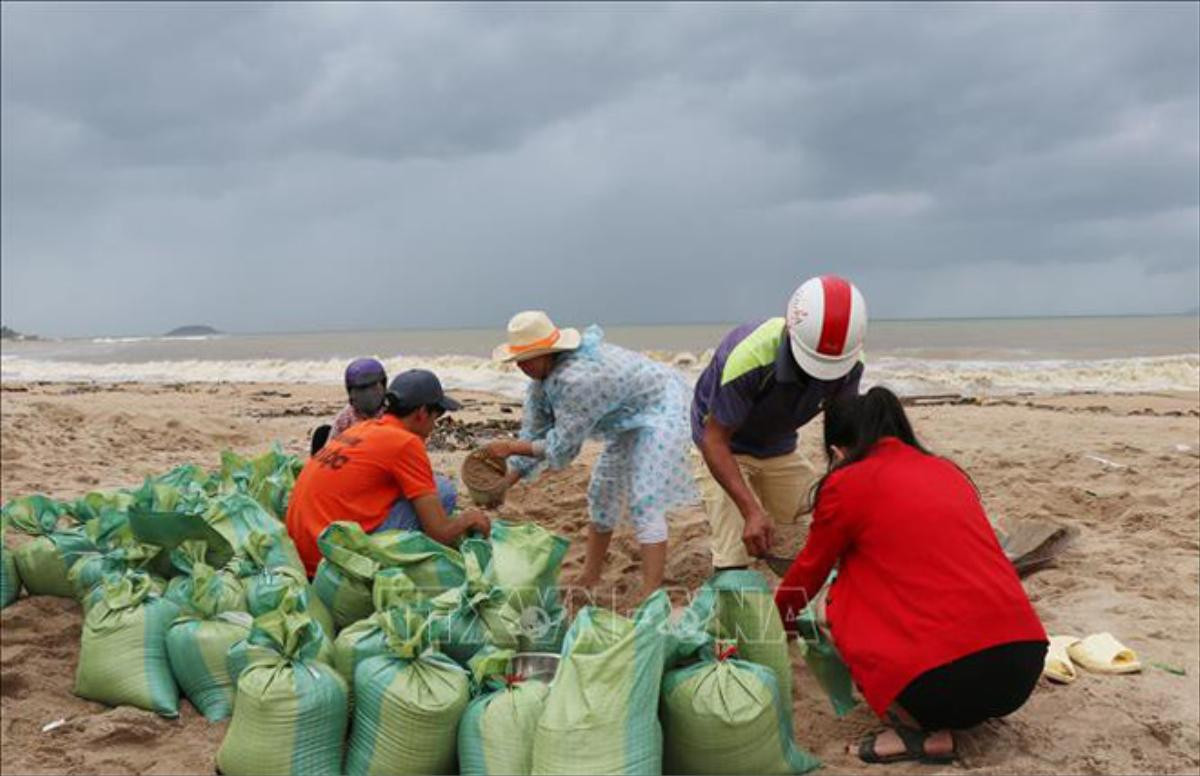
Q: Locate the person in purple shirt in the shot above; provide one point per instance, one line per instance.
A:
(765, 381)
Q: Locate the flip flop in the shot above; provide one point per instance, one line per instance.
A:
(914, 749)
(1058, 667)
(1101, 653)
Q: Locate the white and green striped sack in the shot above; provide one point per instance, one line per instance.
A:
(601, 715)
(496, 733)
(43, 562)
(473, 615)
(724, 715)
(199, 584)
(433, 567)
(346, 574)
(10, 579)
(123, 651)
(526, 561)
(408, 704)
(197, 648)
(290, 712)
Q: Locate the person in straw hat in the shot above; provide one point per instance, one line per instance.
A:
(584, 387)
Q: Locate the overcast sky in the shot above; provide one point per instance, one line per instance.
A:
(307, 166)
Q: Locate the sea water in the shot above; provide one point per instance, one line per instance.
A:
(971, 357)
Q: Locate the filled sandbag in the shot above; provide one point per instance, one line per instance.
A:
(825, 662)
(44, 562)
(601, 715)
(93, 566)
(242, 653)
(267, 577)
(368, 638)
(526, 561)
(197, 648)
(237, 516)
(92, 505)
(267, 478)
(408, 703)
(496, 733)
(290, 709)
(123, 655)
(738, 605)
(433, 567)
(346, 574)
(473, 615)
(200, 585)
(723, 715)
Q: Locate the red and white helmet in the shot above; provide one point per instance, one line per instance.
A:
(827, 322)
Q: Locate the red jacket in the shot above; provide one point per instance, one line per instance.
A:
(921, 580)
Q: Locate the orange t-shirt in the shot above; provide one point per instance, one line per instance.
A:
(357, 476)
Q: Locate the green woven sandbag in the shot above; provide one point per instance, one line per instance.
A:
(158, 587)
(825, 662)
(290, 709)
(407, 709)
(473, 615)
(197, 648)
(237, 516)
(94, 566)
(267, 579)
(345, 575)
(601, 715)
(738, 605)
(242, 653)
(43, 562)
(123, 655)
(433, 567)
(496, 733)
(723, 715)
(201, 588)
(10, 578)
(91, 506)
(526, 561)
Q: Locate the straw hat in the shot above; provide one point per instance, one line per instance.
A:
(532, 333)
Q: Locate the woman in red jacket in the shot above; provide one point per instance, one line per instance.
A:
(926, 610)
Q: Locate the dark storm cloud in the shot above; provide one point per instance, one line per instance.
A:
(311, 166)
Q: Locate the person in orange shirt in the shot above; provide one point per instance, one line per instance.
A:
(377, 473)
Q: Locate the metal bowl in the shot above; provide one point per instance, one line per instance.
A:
(535, 665)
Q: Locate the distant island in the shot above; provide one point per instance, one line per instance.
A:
(192, 331)
(12, 334)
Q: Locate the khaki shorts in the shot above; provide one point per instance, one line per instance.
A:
(781, 485)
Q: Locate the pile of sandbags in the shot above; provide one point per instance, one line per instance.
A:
(43, 562)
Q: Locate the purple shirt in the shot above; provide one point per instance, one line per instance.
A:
(754, 386)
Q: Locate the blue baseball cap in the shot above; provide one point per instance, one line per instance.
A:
(418, 388)
(364, 372)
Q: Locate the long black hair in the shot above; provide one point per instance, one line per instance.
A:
(856, 423)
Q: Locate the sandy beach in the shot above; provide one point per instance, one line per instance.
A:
(1125, 470)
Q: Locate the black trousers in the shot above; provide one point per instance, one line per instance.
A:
(991, 683)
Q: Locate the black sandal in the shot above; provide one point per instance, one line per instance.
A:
(914, 749)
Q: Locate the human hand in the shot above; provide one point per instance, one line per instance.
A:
(758, 534)
(479, 521)
(499, 448)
